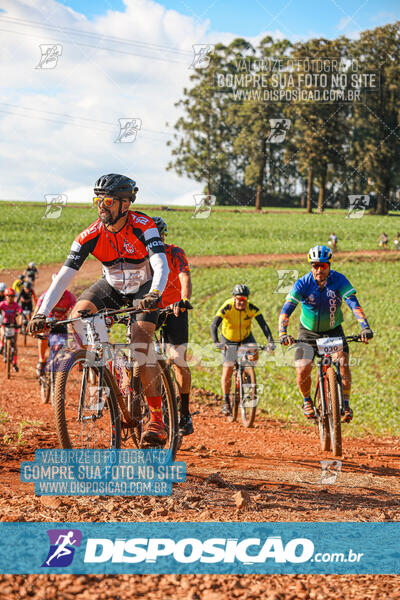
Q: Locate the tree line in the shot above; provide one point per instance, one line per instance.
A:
(249, 147)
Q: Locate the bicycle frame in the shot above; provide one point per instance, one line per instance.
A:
(324, 362)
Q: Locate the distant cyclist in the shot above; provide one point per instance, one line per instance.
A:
(2, 297)
(396, 241)
(383, 240)
(18, 283)
(333, 240)
(59, 312)
(236, 315)
(27, 297)
(321, 293)
(31, 272)
(9, 310)
(177, 294)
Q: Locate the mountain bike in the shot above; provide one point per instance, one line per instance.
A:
(9, 345)
(245, 395)
(328, 398)
(56, 342)
(98, 395)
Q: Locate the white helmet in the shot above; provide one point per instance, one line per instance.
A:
(2, 287)
(31, 264)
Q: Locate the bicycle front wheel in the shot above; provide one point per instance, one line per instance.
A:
(335, 428)
(248, 399)
(83, 418)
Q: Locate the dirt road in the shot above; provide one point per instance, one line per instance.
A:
(269, 473)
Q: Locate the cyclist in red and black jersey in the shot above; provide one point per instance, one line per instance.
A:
(177, 294)
(128, 245)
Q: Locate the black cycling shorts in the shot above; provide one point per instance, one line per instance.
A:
(27, 306)
(175, 329)
(104, 296)
(308, 351)
(229, 355)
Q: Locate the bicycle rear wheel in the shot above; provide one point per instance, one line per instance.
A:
(323, 423)
(335, 428)
(139, 409)
(8, 351)
(81, 420)
(248, 400)
(44, 382)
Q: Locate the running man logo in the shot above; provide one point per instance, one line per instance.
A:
(202, 55)
(54, 205)
(203, 205)
(357, 206)
(279, 128)
(330, 471)
(61, 551)
(286, 280)
(128, 129)
(50, 54)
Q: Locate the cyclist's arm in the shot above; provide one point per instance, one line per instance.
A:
(157, 257)
(358, 312)
(160, 267)
(214, 329)
(186, 285)
(78, 253)
(284, 317)
(18, 298)
(265, 329)
(56, 290)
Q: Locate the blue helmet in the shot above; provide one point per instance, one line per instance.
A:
(320, 254)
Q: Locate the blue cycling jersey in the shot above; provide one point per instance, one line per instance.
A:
(321, 309)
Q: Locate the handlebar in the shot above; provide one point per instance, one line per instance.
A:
(51, 322)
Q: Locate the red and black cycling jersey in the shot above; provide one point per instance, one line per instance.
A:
(124, 255)
(26, 297)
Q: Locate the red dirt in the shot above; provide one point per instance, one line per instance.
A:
(276, 463)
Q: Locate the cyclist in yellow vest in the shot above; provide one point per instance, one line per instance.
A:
(236, 316)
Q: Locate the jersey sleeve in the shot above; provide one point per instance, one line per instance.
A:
(81, 247)
(345, 287)
(296, 293)
(255, 311)
(148, 233)
(221, 312)
(179, 260)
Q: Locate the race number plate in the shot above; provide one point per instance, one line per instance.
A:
(329, 345)
(10, 332)
(92, 330)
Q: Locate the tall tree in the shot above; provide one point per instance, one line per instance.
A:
(376, 153)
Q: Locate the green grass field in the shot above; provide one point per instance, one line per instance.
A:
(26, 236)
(375, 393)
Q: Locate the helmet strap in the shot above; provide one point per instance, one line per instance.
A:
(120, 213)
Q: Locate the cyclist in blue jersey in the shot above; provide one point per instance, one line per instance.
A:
(321, 293)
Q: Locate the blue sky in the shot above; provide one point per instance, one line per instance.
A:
(116, 63)
(328, 18)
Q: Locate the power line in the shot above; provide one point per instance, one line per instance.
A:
(111, 125)
(80, 32)
(168, 60)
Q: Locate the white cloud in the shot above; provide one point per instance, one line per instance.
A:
(58, 126)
